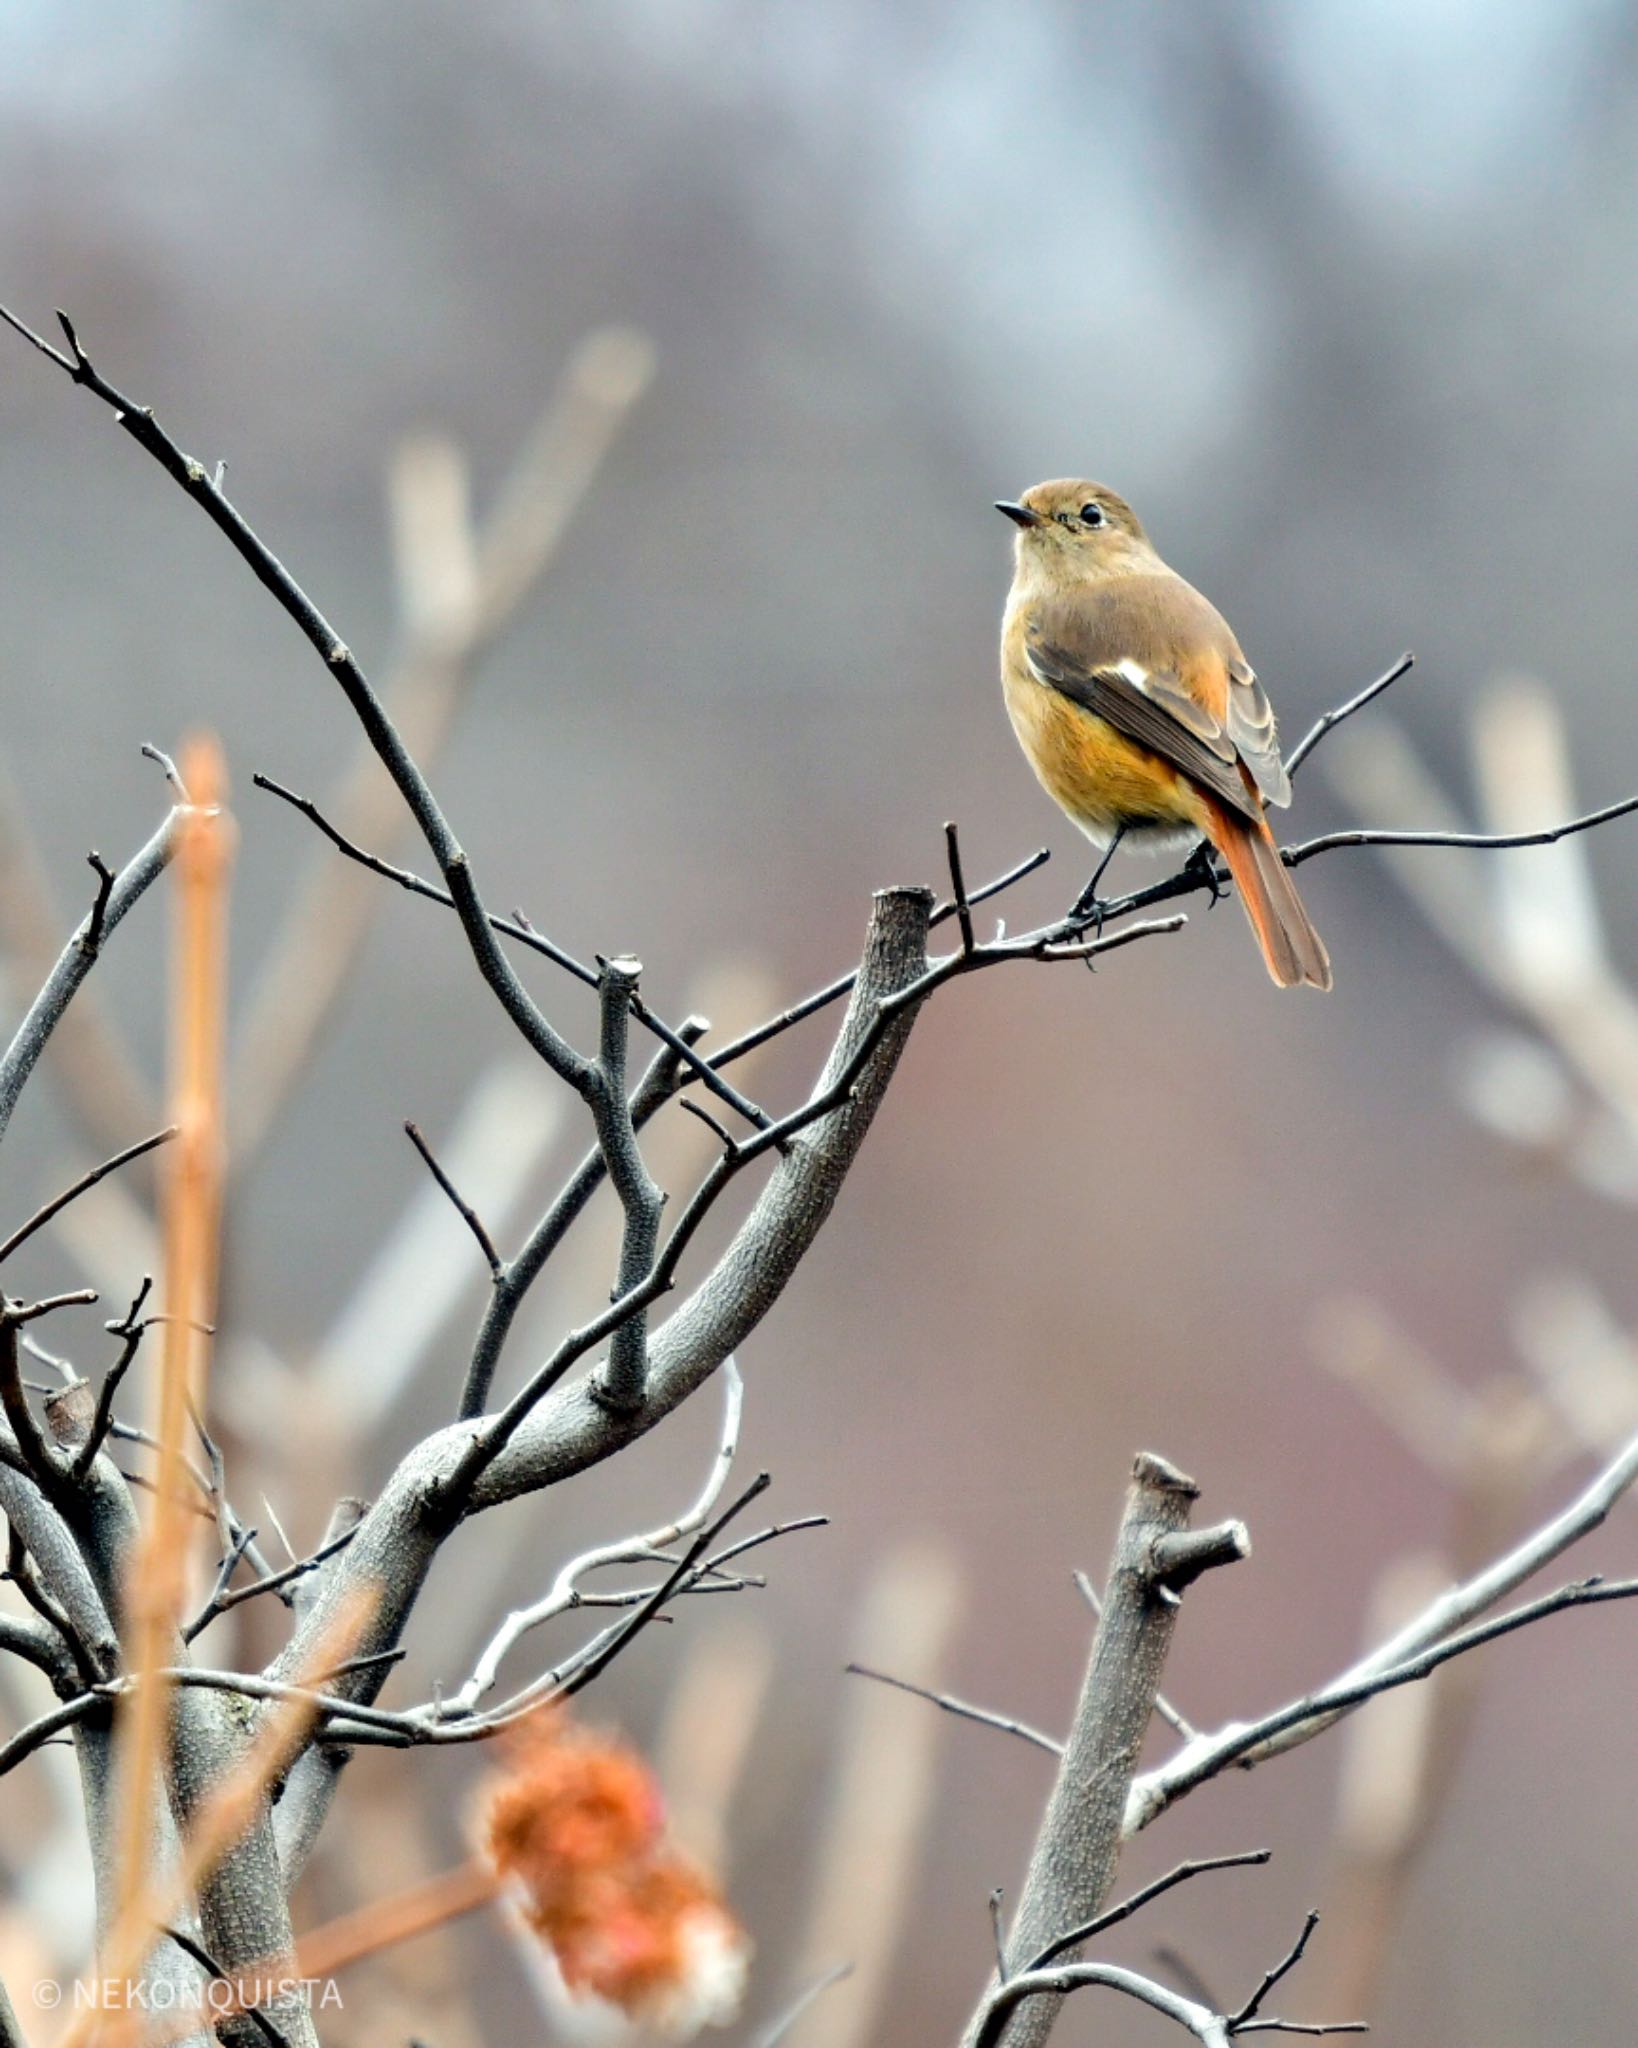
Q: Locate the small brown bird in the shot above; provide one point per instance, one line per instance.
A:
(1139, 713)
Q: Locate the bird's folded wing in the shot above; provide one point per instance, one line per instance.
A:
(1153, 708)
(1251, 728)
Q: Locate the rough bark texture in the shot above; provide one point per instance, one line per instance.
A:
(399, 1538)
(1078, 1847)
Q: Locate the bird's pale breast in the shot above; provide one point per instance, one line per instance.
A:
(1103, 780)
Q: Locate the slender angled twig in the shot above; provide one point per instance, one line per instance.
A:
(459, 591)
(663, 1592)
(962, 1708)
(212, 1969)
(198, 484)
(958, 885)
(1329, 720)
(232, 1558)
(35, 1734)
(131, 1329)
(270, 1582)
(565, 1588)
(92, 942)
(20, 1570)
(1244, 1859)
(1212, 2029)
(464, 1209)
(1247, 1743)
(1481, 842)
(714, 1125)
(43, 1215)
(527, 934)
(49, 1304)
(103, 1085)
(1253, 2004)
(75, 963)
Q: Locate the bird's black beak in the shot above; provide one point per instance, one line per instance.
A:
(1020, 515)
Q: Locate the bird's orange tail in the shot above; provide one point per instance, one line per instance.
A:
(1293, 951)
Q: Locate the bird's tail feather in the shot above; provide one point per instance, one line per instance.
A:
(1293, 951)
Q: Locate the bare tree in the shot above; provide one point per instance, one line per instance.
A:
(254, 1757)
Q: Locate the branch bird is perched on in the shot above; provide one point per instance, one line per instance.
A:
(1140, 715)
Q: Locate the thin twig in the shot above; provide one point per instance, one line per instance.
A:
(520, 928)
(464, 1209)
(1329, 720)
(43, 1215)
(91, 943)
(962, 1708)
(958, 886)
(131, 1330)
(272, 1582)
(1244, 1859)
(1253, 2004)
(74, 963)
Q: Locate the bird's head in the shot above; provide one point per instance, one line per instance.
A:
(1071, 529)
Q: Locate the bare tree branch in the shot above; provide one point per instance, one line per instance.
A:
(1329, 720)
(1251, 1743)
(1078, 1845)
(461, 592)
(565, 1592)
(103, 1087)
(652, 1092)
(624, 1379)
(75, 963)
(468, 1215)
(962, 1709)
(43, 1215)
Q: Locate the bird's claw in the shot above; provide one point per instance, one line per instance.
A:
(1202, 866)
(1089, 911)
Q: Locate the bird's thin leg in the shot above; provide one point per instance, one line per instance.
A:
(1086, 904)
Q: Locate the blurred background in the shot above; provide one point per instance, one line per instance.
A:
(1342, 297)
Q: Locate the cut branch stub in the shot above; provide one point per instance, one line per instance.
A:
(1178, 1560)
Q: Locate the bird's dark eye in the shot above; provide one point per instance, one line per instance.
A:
(1092, 513)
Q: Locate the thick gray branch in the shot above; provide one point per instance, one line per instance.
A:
(62, 1568)
(624, 1377)
(571, 1429)
(1078, 1847)
(243, 1916)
